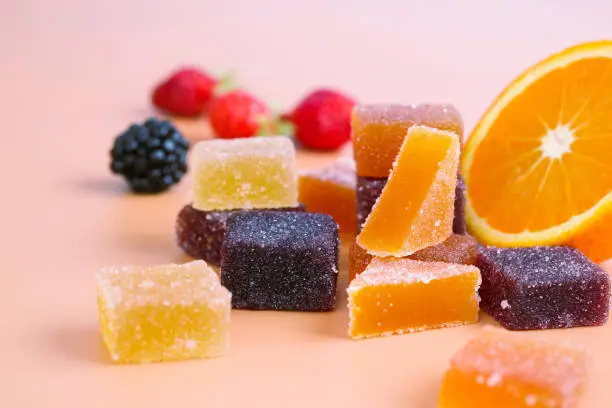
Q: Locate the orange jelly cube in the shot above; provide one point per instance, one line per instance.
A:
(379, 130)
(398, 295)
(416, 207)
(331, 190)
(504, 370)
(458, 249)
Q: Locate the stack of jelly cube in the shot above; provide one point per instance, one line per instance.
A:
(378, 132)
(246, 218)
(413, 267)
(410, 204)
(409, 248)
(231, 177)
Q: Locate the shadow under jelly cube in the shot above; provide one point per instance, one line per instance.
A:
(281, 261)
(542, 288)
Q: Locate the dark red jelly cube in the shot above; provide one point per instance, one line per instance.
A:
(542, 288)
(201, 233)
(369, 189)
(459, 220)
(281, 261)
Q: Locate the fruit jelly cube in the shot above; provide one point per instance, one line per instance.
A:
(379, 130)
(359, 259)
(504, 370)
(201, 233)
(459, 214)
(416, 207)
(397, 295)
(281, 261)
(163, 313)
(458, 249)
(245, 173)
(543, 288)
(331, 190)
(369, 189)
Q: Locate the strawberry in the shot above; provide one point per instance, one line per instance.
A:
(239, 114)
(185, 93)
(322, 120)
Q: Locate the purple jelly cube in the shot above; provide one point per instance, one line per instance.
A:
(542, 288)
(459, 220)
(201, 233)
(281, 261)
(369, 189)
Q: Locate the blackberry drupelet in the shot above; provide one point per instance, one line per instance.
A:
(151, 156)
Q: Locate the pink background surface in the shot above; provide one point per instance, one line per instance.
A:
(73, 74)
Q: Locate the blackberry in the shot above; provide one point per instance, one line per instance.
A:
(151, 156)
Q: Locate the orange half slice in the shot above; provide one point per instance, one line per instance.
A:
(538, 166)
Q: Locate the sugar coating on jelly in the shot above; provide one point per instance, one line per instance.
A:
(331, 190)
(506, 370)
(201, 233)
(379, 130)
(245, 173)
(543, 288)
(163, 313)
(281, 261)
(457, 249)
(400, 295)
(341, 172)
(405, 270)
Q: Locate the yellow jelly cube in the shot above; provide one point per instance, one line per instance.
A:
(399, 295)
(416, 207)
(504, 370)
(248, 173)
(163, 313)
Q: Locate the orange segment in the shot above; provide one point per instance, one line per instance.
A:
(538, 166)
(595, 240)
(416, 207)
